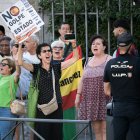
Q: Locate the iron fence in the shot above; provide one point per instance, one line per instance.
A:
(23, 121)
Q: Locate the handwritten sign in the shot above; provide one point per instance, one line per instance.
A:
(36, 18)
(20, 20)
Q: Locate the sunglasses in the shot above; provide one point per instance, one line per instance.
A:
(17, 45)
(4, 64)
(44, 51)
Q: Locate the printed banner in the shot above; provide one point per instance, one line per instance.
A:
(69, 82)
(70, 78)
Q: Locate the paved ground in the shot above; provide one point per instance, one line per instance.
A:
(85, 135)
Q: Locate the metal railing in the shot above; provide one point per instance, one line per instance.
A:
(23, 121)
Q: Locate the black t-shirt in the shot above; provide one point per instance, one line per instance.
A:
(45, 84)
(123, 73)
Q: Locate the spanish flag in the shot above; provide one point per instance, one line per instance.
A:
(68, 86)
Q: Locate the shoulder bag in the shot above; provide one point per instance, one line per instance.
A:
(32, 98)
(52, 105)
(17, 106)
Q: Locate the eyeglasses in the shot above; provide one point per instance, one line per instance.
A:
(4, 64)
(16, 45)
(44, 51)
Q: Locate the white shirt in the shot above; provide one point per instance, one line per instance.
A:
(26, 76)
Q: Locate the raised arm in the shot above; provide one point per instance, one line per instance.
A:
(75, 57)
(27, 66)
(17, 73)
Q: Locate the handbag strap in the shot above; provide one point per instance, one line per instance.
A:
(53, 78)
(37, 79)
(11, 92)
(21, 97)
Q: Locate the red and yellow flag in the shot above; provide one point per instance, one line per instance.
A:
(68, 86)
(69, 81)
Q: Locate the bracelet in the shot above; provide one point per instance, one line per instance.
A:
(79, 93)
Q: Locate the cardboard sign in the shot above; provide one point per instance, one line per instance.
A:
(20, 21)
(36, 18)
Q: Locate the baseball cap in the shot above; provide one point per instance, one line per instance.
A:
(124, 39)
(57, 43)
(121, 23)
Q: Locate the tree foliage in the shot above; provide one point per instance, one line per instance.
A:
(107, 11)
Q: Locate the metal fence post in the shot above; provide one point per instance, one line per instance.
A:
(22, 130)
(90, 130)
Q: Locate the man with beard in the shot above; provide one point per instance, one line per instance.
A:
(121, 26)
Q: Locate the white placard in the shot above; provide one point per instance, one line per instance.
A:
(20, 20)
(36, 18)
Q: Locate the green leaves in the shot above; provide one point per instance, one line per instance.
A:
(108, 9)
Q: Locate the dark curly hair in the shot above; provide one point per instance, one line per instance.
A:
(2, 29)
(121, 23)
(40, 46)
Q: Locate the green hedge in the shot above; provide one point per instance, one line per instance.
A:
(112, 12)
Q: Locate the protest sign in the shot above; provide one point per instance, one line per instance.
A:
(20, 20)
(36, 18)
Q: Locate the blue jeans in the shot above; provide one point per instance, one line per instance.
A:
(6, 126)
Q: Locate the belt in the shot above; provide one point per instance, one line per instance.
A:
(24, 98)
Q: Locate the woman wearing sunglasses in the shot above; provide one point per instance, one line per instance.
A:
(8, 86)
(49, 131)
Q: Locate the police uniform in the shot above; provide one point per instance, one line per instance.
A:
(123, 73)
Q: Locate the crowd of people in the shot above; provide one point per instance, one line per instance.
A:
(104, 78)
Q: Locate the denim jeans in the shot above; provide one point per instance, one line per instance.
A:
(6, 126)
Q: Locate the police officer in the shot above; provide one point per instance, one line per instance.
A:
(122, 81)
